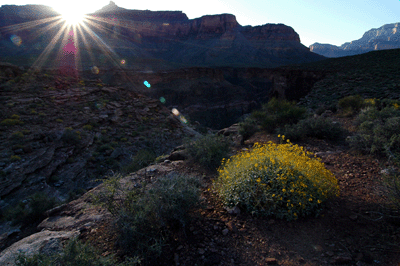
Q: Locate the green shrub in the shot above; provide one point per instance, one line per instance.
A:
(17, 135)
(31, 210)
(142, 159)
(278, 113)
(146, 214)
(15, 158)
(208, 150)
(75, 253)
(248, 127)
(281, 180)
(378, 132)
(70, 136)
(317, 127)
(14, 120)
(392, 182)
(350, 105)
(88, 127)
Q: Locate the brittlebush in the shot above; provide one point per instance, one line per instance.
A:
(282, 180)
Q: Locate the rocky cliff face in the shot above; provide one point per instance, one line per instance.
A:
(153, 39)
(383, 38)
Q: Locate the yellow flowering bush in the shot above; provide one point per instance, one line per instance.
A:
(282, 180)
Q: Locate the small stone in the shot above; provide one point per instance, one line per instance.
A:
(302, 260)
(330, 253)
(176, 259)
(271, 261)
(234, 211)
(353, 217)
(225, 231)
(342, 259)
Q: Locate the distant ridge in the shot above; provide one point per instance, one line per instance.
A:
(383, 38)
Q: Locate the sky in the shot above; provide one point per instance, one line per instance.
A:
(323, 21)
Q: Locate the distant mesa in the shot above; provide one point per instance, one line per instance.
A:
(383, 38)
(152, 40)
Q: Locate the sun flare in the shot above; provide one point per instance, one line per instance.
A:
(72, 16)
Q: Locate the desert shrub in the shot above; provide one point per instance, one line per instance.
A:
(88, 127)
(278, 113)
(281, 180)
(209, 150)
(317, 127)
(15, 158)
(104, 147)
(392, 182)
(142, 159)
(350, 105)
(378, 132)
(75, 253)
(30, 210)
(248, 127)
(70, 136)
(14, 120)
(146, 214)
(17, 135)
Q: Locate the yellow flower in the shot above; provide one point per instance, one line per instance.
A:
(258, 180)
(310, 199)
(283, 190)
(319, 201)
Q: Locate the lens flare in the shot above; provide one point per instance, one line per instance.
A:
(123, 62)
(16, 40)
(175, 112)
(95, 70)
(183, 119)
(162, 100)
(147, 84)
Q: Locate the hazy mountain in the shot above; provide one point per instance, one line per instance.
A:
(383, 38)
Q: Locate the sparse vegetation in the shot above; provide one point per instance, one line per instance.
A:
(208, 150)
(146, 214)
(15, 158)
(141, 159)
(350, 105)
(30, 210)
(14, 120)
(316, 127)
(70, 136)
(276, 113)
(378, 131)
(282, 180)
(75, 253)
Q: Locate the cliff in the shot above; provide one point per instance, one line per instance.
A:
(151, 39)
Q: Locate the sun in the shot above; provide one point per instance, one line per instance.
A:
(72, 17)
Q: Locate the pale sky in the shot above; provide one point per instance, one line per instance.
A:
(323, 21)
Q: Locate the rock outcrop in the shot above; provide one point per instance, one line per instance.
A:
(151, 40)
(383, 38)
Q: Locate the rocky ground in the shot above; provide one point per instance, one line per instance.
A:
(357, 228)
(58, 136)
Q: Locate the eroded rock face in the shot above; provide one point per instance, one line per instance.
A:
(160, 40)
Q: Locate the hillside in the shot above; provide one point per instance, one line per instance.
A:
(60, 135)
